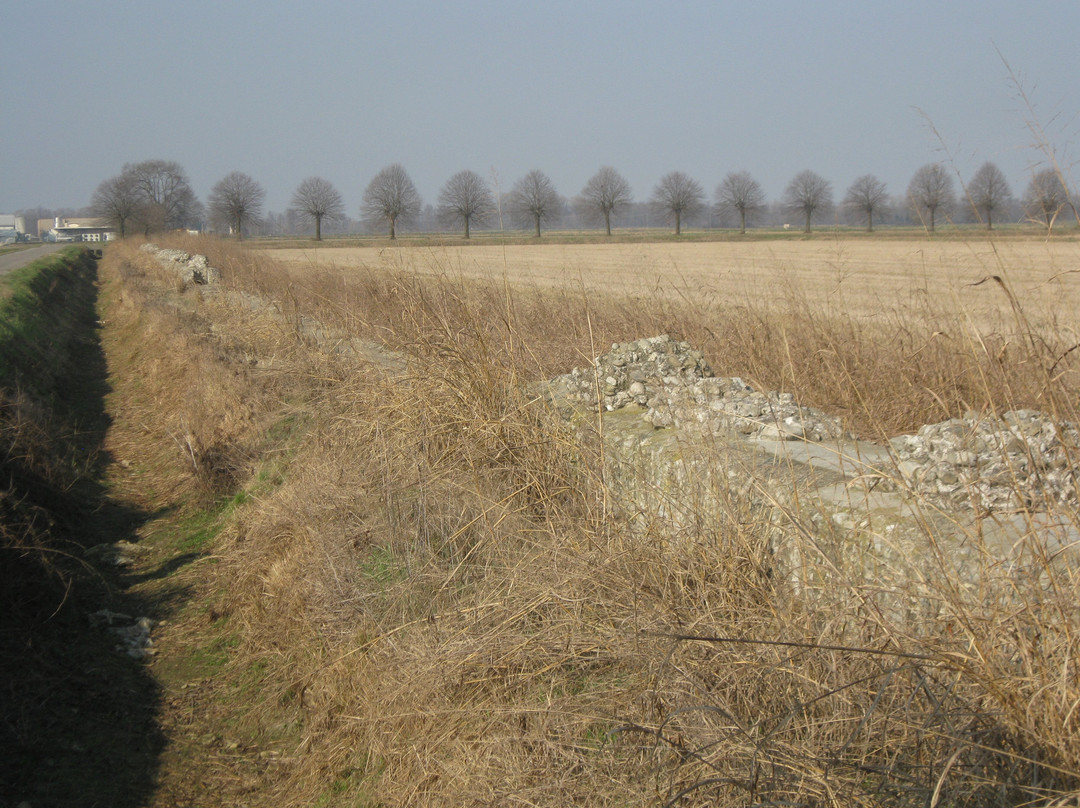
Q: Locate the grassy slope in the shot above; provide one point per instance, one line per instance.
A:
(189, 424)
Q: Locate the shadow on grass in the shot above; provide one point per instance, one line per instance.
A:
(78, 715)
(164, 570)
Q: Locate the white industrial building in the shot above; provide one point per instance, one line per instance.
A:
(78, 229)
(9, 227)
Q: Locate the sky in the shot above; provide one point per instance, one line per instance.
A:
(287, 90)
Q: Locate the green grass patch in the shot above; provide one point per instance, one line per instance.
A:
(599, 736)
(196, 532)
(43, 318)
(212, 657)
(383, 566)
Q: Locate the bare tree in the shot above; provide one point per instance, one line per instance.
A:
(809, 194)
(931, 188)
(390, 198)
(166, 201)
(465, 198)
(605, 191)
(988, 191)
(316, 199)
(677, 195)
(866, 195)
(235, 201)
(739, 192)
(534, 199)
(1046, 196)
(117, 201)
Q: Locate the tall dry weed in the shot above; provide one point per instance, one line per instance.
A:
(445, 607)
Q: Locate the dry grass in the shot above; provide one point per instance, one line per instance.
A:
(444, 610)
(890, 333)
(203, 401)
(864, 277)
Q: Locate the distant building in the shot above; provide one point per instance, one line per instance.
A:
(8, 233)
(77, 229)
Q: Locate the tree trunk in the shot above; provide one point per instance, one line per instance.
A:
(607, 221)
(870, 221)
(239, 232)
(537, 225)
(678, 223)
(318, 228)
(393, 228)
(989, 218)
(931, 219)
(807, 228)
(742, 221)
(466, 227)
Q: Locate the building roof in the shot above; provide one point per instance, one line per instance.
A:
(72, 221)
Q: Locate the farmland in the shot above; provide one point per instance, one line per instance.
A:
(862, 276)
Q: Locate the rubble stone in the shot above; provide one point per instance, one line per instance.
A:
(192, 268)
(1020, 460)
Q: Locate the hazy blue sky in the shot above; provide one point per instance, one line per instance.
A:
(283, 91)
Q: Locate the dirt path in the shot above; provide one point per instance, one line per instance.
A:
(18, 258)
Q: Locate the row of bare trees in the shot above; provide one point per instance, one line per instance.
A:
(155, 195)
(932, 191)
(466, 199)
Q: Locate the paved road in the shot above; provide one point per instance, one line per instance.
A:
(14, 260)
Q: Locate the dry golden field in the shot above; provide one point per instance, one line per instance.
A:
(861, 276)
